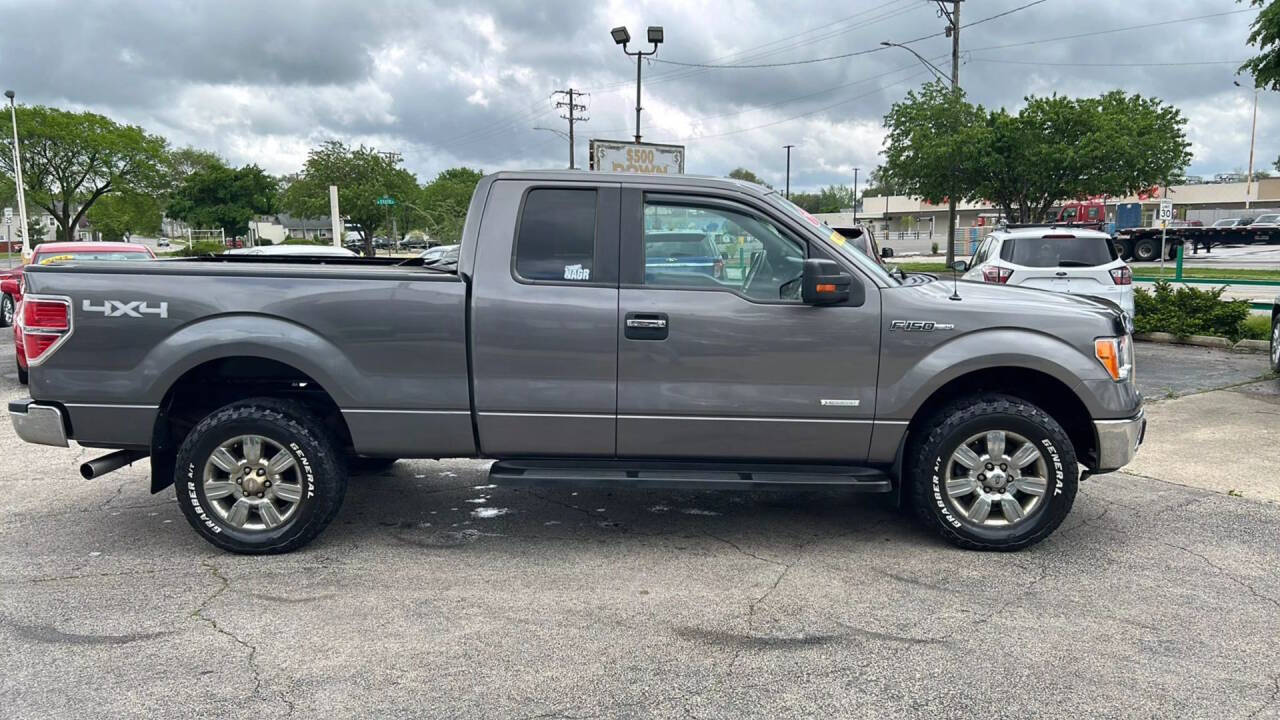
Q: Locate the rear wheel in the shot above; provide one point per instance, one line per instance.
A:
(259, 476)
(6, 310)
(1123, 251)
(993, 472)
(1146, 249)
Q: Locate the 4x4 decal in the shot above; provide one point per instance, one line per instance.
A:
(134, 308)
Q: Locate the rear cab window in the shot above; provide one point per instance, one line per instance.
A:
(556, 239)
(1058, 251)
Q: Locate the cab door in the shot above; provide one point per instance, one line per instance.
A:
(544, 320)
(730, 365)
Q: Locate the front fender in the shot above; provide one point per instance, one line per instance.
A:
(905, 387)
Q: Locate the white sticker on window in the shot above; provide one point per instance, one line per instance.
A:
(576, 272)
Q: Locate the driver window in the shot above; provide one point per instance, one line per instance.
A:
(706, 248)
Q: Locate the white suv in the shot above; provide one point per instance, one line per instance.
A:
(1068, 260)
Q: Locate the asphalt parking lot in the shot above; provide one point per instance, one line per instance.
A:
(435, 595)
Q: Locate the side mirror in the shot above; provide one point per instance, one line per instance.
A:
(825, 283)
(886, 252)
(960, 266)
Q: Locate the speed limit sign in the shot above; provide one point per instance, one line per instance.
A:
(1166, 210)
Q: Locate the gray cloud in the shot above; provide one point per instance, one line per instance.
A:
(466, 82)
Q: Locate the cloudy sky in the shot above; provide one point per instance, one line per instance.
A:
(466, 83)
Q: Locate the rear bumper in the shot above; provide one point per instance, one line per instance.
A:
(1118, 441)
(39, 424)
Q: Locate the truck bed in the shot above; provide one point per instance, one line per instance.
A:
(384, 338)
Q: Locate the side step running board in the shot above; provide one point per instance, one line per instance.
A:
(688, 475)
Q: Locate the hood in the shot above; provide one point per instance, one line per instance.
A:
(991, 305)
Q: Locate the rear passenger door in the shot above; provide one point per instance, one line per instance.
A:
(544, 320)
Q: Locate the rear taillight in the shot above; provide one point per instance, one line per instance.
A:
(45, 323)
(1122, 275)
(994, 274)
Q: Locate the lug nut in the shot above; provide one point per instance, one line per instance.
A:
(982, 478)
(267, 484)
(259, 494)
(239, 481)
(990, 466)
(1003, 466)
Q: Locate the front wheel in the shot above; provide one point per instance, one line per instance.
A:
(993, 472)
(259, 476)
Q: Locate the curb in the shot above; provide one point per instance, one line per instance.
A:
(1220, 343)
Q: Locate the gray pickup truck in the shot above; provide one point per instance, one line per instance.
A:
(581, 339)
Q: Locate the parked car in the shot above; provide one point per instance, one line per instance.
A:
(680, 252)
(1268, 220)
(548, 350)
(1077, 261)
(440, 254)
(12, 285)
(162, 242)
(310, 250)
(1227, 222)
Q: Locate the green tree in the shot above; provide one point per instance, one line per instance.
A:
(1265, 34)
(70, 160)
(742, 173)
(120, 215)
(1056, 148)
(214, 195)
(830, 199)
(442, 204)
(1059, 148)
(362, 176)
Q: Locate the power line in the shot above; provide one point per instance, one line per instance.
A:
(1112, 30)
(848, 54)
(1086, 64)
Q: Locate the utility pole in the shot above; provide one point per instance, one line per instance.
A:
(953, 30)
(1253, 133)
(788, 147)
(855, 195)
(572, 107)
(18, 182)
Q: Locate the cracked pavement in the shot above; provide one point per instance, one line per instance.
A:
(1153, 600)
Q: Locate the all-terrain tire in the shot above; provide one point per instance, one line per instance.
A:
(1275, 342)
(7, 310)
(927, 460)
(319, 467)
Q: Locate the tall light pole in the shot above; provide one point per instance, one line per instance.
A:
(622, 37)
(788, 147)
(17, 177)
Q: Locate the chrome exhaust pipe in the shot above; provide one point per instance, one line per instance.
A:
(107, 463)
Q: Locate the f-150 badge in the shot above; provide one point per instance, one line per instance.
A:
(920, 325)
(133, 308)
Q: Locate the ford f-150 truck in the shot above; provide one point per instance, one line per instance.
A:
(554, 347)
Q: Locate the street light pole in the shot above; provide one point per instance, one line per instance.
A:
(17, 176)
(621, 36)
(788, 147)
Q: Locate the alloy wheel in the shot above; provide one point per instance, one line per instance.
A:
(253, 483)
(996, 479)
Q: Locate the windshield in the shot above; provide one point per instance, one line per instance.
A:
(1052, 251)
(835, 240)
(1266, 218)
(1226, 223)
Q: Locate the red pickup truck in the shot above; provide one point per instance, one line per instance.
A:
(11, 280)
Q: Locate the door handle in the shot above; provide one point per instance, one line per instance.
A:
(646, 322)
(645, 326)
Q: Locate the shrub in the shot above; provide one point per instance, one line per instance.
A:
(933, 249)
(200, 247)
(1189, 311)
